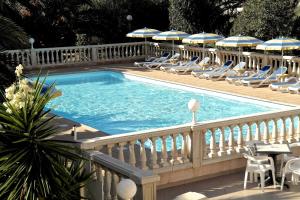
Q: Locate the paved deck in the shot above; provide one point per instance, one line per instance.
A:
(230, 187)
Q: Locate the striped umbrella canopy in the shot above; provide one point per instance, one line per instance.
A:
(239, 41)
(279, 44)
(202, 38)
(143, 33)
(171, 35)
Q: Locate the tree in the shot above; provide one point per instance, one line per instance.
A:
(12, 36)
(33, 165)
(265, 19)
(194, 16)
(109, 16)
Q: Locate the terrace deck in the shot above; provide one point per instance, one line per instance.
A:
(230, 187)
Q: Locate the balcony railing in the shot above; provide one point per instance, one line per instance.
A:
(55, 56)
(181, 147)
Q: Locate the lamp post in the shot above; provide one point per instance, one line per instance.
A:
(129, 19)
(239, 10)
(31, 41)
(193, 106)
(126, 189)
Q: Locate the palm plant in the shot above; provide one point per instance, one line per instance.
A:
(33, 165)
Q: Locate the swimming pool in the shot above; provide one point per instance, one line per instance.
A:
(118, 103)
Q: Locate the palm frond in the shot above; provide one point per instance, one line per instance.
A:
(12, 36)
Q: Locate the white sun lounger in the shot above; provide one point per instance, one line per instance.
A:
(283, 86)
(164, 57)
(221, 75)
(199, 73)
(261, 73)
(192, 61)
(258, 82)
(295, 89)
(169, 61)
(191, 66)
(217, 73)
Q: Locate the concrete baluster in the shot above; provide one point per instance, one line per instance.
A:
(212, 145)
(283, 131)
(221, 151)
(240, 147)
(298, 129)
(291, 130)
(185, 149)
(107, 185)
(257, 131)
(143, 154)
(132, 160)
(109, 149)
(274, 132)
(164, 159)
(154, 164)
(248, 132)
(121, 150)
(231, 150)
(115, 181)
(266, 132)
(174, 149)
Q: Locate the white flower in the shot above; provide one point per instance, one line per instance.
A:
(19, 70)
(8, 111)
(21, 105)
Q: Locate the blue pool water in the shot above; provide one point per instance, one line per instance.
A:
(110, 102)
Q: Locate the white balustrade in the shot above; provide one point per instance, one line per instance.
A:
(225, 138)
(108, 172)
(136, 50)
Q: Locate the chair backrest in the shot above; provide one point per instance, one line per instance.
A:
(204, 61)
(175, 56)
(265, 68)
(293, 164)
(251, 146)
(194, 59)
(228, 63)
(279, 71)
(239, 66)
(166, 54)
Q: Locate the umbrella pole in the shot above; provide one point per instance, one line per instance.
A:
(239, 54)
(281, 58)
(172, 47)
(145, 47)
(203, 51)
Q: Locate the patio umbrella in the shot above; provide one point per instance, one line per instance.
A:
(202, 38)
(143, 33)
(280, 44)
(171, 35)
(239, 41)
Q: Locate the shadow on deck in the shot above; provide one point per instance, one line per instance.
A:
(230, 187)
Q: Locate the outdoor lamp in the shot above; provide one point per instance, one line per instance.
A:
(31, 41)
(193, 106)
(126, 189)
(129, 18)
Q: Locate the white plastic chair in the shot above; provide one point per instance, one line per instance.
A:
(258, 165)
(285, 158)
(291, 166)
